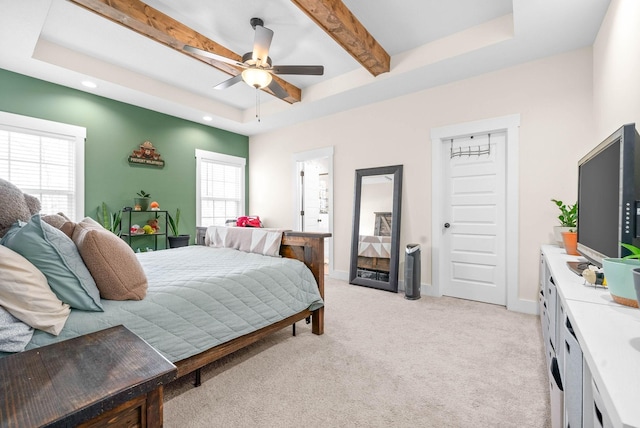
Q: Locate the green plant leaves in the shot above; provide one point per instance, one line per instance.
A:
(174, 223)
(635, 251)
(568, 213)
(110, 221)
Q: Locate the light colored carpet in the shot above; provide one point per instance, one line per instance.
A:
(383, 361)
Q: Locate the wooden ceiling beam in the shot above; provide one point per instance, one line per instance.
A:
(338, 21)
(152, 23)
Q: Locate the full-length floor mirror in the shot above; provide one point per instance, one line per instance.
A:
(375, 242)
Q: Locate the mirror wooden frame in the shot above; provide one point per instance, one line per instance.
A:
(392, 284)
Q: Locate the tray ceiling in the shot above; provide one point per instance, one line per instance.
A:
(430, 42)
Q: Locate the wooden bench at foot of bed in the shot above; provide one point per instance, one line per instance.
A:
(303, 246)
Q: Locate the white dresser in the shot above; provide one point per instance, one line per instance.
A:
(597, 346)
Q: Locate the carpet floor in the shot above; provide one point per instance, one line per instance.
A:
(383, 361)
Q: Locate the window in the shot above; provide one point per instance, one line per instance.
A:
(44, 159)
(219, 188)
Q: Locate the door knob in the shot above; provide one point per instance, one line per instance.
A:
(447, 225)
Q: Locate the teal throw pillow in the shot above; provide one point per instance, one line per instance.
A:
(57, 257)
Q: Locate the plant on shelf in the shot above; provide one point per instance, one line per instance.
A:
(566, 232)
(109, 220)
(176, 240)
(141, 203)
(568, 213)
(635, 251)
(621, 278)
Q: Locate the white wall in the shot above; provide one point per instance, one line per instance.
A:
(553, 97)
(616, 68)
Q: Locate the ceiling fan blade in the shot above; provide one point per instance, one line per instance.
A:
(278, 90)
(211, 55)
(313, 70)
(229, 82)
(261, 44)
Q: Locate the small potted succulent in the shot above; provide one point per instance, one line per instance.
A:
(141, 203)
(177, 240)
(620, 276)
(568, 217)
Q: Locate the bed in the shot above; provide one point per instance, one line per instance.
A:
(203, 303)
(374, 255)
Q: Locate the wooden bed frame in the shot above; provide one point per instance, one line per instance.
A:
(303, 246)
(374, 263)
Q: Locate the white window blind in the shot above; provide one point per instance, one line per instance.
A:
(42, 158)
(219, 187)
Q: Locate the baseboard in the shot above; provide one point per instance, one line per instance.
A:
(524, 306)
(519, 305)
(425, 289)
(338, 274)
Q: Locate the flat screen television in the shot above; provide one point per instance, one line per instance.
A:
(608, 196)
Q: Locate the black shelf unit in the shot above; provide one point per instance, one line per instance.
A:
(128, 220)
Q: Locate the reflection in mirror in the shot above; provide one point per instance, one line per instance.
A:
(376, 228)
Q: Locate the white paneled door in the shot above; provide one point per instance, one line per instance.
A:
(473, 240)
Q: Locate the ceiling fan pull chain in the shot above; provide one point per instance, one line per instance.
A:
(258, 104)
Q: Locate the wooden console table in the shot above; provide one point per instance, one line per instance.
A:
(110, 378)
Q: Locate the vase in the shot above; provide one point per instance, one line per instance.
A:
(570, 240)
(140, 204)
(178, 241)
(557, 234)
(636, 283)
(619, 276)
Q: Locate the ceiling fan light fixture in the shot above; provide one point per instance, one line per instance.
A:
(256, 77)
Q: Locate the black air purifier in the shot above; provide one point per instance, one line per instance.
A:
(412, 272)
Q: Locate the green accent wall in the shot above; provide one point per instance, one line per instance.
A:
(114, 130)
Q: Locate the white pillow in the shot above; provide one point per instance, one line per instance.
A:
(57, 257)
(247, 239)
(25, 294)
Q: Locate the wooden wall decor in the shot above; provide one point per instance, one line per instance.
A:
(146, 155)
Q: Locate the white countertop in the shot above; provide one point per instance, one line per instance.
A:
(573, 287)
(609, 335)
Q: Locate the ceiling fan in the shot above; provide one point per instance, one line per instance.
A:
(257, 65)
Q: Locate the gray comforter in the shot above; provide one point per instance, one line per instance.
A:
(200, 297)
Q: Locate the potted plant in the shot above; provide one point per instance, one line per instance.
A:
(568, 220)
(176, 240)
(110, 221)
(141, 203)
(620, 278)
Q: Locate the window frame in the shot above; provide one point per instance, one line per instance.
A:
(221, 159)
(34, 126)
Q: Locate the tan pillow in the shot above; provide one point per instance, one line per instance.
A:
(25, 294)
(68, 228)
(112, 263)
(60, 221)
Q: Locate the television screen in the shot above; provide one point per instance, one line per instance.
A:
(599, 201)
(608, 194)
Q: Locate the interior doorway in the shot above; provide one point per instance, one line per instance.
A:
(473, 258)
(313, 208)
(460, 211)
